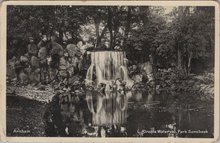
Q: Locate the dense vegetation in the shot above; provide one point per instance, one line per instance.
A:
(181, 39)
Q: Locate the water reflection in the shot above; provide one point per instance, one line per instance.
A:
(107, 109)
(132, 114)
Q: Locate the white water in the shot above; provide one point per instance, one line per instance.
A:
(108, 66)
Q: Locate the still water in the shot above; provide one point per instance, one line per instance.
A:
(132, 114)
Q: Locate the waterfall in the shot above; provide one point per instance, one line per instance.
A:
(108, 66)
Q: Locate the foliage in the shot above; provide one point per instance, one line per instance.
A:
(182, 40)
(141, 30)
(193, 34)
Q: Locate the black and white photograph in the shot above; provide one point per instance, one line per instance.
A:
(103, 71)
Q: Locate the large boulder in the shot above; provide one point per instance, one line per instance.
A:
(42, 54)
(57, 49)
(73, 50)
(24, 61)
(55, 53)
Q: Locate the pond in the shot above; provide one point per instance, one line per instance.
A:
(135, 113)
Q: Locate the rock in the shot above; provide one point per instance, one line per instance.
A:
(42, 54)
(70, 71)
(85, 47)
(137, 78)
(27, 70)
(32, 49)
(24, 59)
(73, 50)
(37, 75)
(77, 63)
(35, 62)
(52, 74)
(11, 68)
(63, 73)
(24, 79)
(57, 49)
(64, 64)
(32, 77)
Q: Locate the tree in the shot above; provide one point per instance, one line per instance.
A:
(146, 32)
(192, 38)
(186, 35)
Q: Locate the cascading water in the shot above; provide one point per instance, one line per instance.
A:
(106, 67)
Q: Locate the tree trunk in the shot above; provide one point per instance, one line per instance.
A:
(110, 27)
(189, 62)
(127, 28)
(144, 13)
(97, 23)
(102, 34)
(181, 66)
(179, 58)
